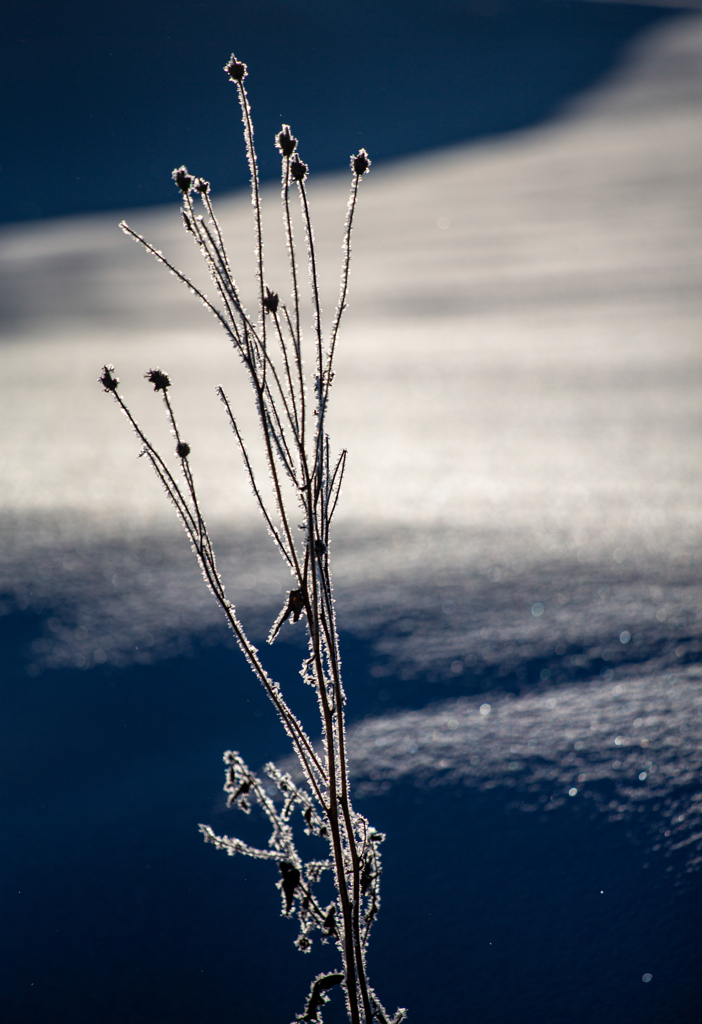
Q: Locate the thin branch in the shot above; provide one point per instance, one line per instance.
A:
(252, 480)
(314, 280)
(181, 277)
(255, 195)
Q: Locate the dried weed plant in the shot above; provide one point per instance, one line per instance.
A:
(305, 479)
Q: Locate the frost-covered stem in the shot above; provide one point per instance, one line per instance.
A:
(314, 280)
(322, 615)
(301, 457)
(338, 802)
(181, 277)
(335, 733)
(285, 194)
(345, 267)
(255, 197)
(197, 531)
(287, 555)
(295, 422)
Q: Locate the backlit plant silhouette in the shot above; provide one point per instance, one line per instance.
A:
(305, 479)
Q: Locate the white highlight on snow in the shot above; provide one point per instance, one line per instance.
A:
(540, 751)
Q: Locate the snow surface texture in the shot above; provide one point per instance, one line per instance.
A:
(518, 386)
(626, 749)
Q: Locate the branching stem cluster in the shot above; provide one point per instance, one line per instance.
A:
(305, 480)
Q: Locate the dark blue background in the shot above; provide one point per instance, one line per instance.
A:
(101, 101)
(116, 910)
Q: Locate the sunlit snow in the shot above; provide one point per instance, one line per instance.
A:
(519, 390)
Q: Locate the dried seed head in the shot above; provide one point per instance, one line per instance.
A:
(235, 69)
(360, 163)
(298, 169)
(270, 301)
(201, 186)
(182, 449)
(296, 602)
(161, 381)
(183, 179)
(320, 548)
(108, 379)
(285, 141)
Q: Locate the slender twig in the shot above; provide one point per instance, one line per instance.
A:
(360, 164)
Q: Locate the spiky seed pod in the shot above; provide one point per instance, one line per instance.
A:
(160, 380)
(270, 301)
(236, 69)
(183, 179)
(298, 169)
(201, 186)
(285, 141)
(360, 163)
(182, 449)
(108, 379)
